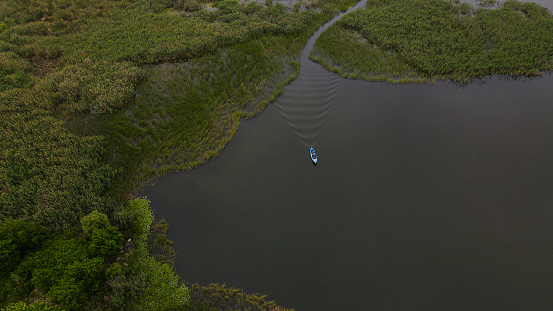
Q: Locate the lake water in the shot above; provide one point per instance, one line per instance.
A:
(426, 197)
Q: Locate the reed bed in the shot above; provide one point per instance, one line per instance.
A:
(441, 39)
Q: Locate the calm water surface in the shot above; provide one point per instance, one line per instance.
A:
(425, 198)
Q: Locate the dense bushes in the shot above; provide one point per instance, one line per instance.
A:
(91, 86)
(438, 38)
(68, 270)
(85, 268)
(148, 284)
(18, 239)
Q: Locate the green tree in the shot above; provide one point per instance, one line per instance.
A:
(94, 220)
(68, 293)
(17, 239)
(106, 242)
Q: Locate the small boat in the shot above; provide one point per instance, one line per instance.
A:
(313, 155)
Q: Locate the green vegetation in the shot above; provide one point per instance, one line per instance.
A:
(85, 267)
(90, 109)
(439, 39)
(221, 297)
(47, 173)
(149, 284)
(68, 270)
(360, 59)
(186, 112)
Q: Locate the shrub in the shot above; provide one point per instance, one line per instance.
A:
(94, 220)
(147, 284)
(18, 238)
(68, 294)
(106, 242)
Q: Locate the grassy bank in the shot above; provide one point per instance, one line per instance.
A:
(221, 297)
(400, 40)
(186, 112)
(89, 111)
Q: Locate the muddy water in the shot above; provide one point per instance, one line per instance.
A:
(424, 198)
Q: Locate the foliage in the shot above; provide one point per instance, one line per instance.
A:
(55, 12)
(148, 284)
(221, 297)
(94, 220)
(159, 246)
(64, 269)
(68, 293)
(18, 238)
(37, 306)
(72, 270)
(143, 218)
(69, 270)
(438, 38)
(224, 4)
(105, 242)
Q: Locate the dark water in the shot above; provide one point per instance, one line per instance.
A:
(424, 198)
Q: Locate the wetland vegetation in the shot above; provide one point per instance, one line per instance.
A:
(98, 97)
(86, 118)
(417, 41)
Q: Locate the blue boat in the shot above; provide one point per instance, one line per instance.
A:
(313, 155)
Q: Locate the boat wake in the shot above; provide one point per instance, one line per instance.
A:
(305, 103)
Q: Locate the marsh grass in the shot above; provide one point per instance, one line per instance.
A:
(72, 67)
(359, 59)
(441, 39)
(85, 118)
(186, 112)
(221, 297)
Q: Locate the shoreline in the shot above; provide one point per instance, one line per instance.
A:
(262, 103)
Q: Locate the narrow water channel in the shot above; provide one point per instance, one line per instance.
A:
(426, 197)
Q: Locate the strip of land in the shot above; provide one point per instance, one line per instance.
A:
(424, 40)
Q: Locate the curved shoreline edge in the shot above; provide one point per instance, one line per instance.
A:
(277, 87)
